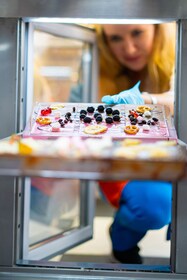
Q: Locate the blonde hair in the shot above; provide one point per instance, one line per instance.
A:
(115, 77)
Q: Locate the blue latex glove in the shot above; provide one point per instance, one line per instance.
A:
(130, 96)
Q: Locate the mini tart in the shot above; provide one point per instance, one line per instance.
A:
(57, 106)
(131, 129)
(131, 142)
(143, 108)
(43, 120)
(95, 129)
(25, 149)
(55, 127)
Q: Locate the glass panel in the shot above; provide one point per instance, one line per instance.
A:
(58, 214)
(57, 67)
(55, 208)
(55, 204)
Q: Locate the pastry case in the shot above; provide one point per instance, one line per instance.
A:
(56, 20)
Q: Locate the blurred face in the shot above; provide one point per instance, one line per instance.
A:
(131, 44)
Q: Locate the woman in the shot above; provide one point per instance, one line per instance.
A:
(128, 54)
(145, 52)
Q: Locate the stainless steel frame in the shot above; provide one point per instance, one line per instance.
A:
(87, 192)
(88, 66)
(97, 9)
(11, 28)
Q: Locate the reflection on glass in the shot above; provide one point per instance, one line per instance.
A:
(54, 208)
(54, 204)
(57, 66)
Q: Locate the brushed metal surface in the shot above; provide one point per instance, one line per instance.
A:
(143, 9)
(92, 169)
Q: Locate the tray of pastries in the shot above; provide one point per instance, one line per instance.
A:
(147, 122)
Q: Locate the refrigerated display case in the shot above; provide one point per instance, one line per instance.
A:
(16, 25)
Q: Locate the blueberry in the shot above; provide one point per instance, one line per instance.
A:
(116, 118)
(155, 119)
(96, 115)
(100, 108)
(82, 116)
(90, 109)
(99, 118)
(68, 115)
(108, 111)
(87, 120)
(83, 112)
(109, 120)
(116, 112)
(134, 121)
(131, 118)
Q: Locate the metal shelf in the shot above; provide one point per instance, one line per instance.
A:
(94, 168)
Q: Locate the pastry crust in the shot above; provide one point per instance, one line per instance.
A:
(95, 129)
(131, 129)
(43, 120)
(143, 108)
(57, 106)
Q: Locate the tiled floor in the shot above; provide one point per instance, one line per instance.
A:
(155, 250)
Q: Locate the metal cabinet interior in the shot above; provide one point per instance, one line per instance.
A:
(12, 87)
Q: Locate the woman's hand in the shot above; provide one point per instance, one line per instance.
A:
(131, 96)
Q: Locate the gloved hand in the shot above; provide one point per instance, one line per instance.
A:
(130, 96)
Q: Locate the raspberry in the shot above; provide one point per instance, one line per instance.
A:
(45, 112)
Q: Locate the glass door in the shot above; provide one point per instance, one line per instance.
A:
(58, 213)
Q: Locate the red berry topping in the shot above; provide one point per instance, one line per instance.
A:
(45, 112)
